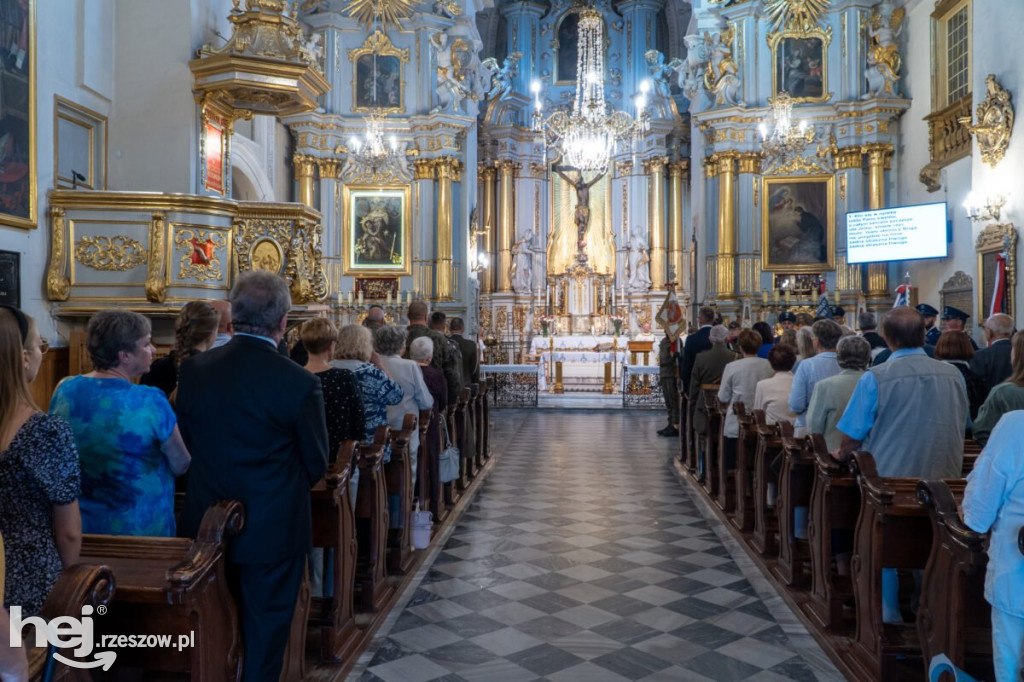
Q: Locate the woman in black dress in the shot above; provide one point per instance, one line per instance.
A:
(954, 347)
(342, 402)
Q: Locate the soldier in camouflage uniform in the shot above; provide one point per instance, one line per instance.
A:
(444, 359)
(667, 376)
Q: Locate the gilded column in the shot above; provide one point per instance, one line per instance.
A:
(305, 172)
(726, 278)
(655, 168)
(879, 157)
(679, 174)
(448, 171)
(507, 171)
(486, 175)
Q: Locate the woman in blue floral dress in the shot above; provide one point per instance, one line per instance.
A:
(128, 441)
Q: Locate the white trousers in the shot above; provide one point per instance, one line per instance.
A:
(1007, 645)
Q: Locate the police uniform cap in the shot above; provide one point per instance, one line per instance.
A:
(837, 311)
(927, 310)
(787, 317)
(951, 313)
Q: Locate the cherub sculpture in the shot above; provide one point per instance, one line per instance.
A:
(499, 78)
(884, 26)
(450, 89)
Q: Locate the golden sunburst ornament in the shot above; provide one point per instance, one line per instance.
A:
(387, 11)
(795, 15)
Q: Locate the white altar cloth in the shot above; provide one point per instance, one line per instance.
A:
(573, 357)
(543, 343)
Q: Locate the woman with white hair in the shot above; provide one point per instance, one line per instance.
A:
(379, 391)
(389, 342)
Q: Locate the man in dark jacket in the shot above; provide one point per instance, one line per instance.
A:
(445, 358)
(469, 350)
(695, 343)
(253, 421)
(992, 364)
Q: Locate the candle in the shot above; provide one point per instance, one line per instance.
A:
(360, 297)
(764, 297)
(389, 297)
(408, 296)
(776, 297)
(789, 296)
(348, 298)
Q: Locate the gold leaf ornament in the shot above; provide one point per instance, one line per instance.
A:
(795, 15)
(387, 11)
(110, 254)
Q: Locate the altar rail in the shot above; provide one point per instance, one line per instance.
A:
(641, 388)
(512, 385)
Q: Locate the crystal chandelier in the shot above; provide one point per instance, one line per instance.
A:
(786, 139)
(371, 154)
(587, 136)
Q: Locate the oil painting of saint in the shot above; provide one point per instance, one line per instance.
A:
(376, 231)
(799, 68)
(798, 226)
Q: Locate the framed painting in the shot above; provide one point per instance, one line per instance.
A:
(800, 64)
(18, 114)
(378, 80)
(798, 223)
(997, 270)
(10, 278)
(377, 230)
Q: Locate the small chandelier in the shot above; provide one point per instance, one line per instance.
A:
(786, 139)
(372, 154)
(587, 136)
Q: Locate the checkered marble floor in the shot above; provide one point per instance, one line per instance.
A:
(583, 557)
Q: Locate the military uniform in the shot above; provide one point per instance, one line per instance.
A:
(931, 336)
(951, 313)
(445, 359)
(669, 386)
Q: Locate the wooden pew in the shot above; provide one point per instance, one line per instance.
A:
(372, 588)
(174, 586)
(461, 438)
(686, 448)
(711, 439)
(769, 445)
(422, 455)
(893, 531)
(953, 617)
(79, 585)
(334, 529)
(398, 481)
(835, 502)
(486, 410)
(453, 489)
(746, 449)
(476, 410)
(726, 497)
(796, 479)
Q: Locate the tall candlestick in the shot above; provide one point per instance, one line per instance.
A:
(764, 296)
(348, 298)
(789, 296)
(776, 297)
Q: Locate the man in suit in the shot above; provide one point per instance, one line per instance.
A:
(699, 341)
(954, 320)
(707, 369)
(254, 423)
(932, 332)
(470, 357)
(992, 364)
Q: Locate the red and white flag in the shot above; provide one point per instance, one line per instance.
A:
(999, 286)
(670, 317)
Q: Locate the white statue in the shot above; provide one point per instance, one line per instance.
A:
(521, 273)
(691, 74)
(884, 26)
(661, 72)
(721, 75)
(638, 262)
(312, 51)
(450, 90)
(497, 80)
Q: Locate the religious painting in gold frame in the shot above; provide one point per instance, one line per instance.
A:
(378, 63)
(377, 230)
(561, 245)
(18, 114)
(798, 223)
(992, 242)
(800, 64)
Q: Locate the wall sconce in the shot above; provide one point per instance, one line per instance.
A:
(983, 210)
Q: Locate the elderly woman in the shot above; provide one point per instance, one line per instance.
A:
(421, 351)
(1005, 397)
(195, 331)
(128, 441)
(389, 342)
(772, 394)
(378, 390)
(39, 474)
(343, 403)
(830, 396)
(739, 383)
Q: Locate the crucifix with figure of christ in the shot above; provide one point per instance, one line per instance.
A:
(582, 215)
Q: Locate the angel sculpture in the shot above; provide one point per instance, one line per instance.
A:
(450, 90)
(697, 55)
(661, 73)
(884, 26)
(721, 75)
(312, 51)
(501, 76)
(638, 262)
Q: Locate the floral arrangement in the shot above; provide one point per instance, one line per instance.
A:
(546, 322)
(617, 321)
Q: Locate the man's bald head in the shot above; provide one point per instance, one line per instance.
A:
(903, 328)
(999, 326)
(374, 317)
(223, 309)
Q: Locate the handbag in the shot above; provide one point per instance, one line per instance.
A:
(448, 461)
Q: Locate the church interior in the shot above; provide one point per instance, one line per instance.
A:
(585, 185)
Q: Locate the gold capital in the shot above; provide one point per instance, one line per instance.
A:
(423, 169)
(655, 164)
(330, 169)
(750, 162)
(305, 165)
(849, 158)
(680, 169)
(485, 173)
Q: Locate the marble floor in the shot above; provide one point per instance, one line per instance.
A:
(584, 557)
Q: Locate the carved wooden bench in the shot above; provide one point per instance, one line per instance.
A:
(398, 481)
(726, 495)
(893, 531)
(746, 449)
(78, 586)
(334, 529)
(711, 439)
(769, 446)
(835, 503)
(371, 514)
(953, 617)
(796, 478)
(174, 586)
(461, 437)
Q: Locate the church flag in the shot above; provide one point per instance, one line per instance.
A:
(824, 309)
(902, 296)
(999, 286)
(670, 317)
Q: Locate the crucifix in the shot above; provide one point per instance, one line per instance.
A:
(582, 209)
